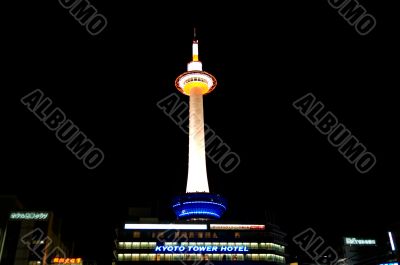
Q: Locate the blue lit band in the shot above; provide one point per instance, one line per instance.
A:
(199, 205)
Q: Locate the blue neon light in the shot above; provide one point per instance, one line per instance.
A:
(390, 263)
(199, 213)
(204, 202)
(201, 205)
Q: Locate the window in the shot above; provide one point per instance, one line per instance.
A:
(135, 257)
(136, 234)
(127, 245)
(168, 257)
(152, 245)
(135, 245)
(144, 245)
(143, 257)
(254, 245)
(191, 235)
(152, 257)
(177, 257)
(237, 234)
(200, 234)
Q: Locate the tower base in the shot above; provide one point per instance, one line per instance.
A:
(199, 206)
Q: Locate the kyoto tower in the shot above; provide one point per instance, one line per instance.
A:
(198, 202)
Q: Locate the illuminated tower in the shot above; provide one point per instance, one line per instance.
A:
(197, 202)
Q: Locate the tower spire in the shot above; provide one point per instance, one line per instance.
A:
(195, 48)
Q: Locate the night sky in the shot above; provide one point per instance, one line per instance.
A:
(264, 58)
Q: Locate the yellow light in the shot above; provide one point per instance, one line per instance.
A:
(189, 86)
(195, 57)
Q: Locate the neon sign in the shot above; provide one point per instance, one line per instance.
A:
(174, 249)
(67, 261)
(355, 241)
(29, 216)
(236, 227)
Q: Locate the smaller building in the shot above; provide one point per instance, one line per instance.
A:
(30, 238)
(373, 249)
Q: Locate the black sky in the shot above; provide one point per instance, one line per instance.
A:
(264, 57)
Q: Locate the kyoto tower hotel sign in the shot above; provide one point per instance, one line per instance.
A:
(197, 203)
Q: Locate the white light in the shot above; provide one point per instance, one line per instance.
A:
(42, 242)
(195, 66)
(391, 241)
(195, 49)
(197, 171)
(167, 226)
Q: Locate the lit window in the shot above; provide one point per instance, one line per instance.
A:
(200, 234)
(135, 245)
(191, 235)
(136, 234)
(237, 234)
(135, 257)
(143, 257)
(152, 257)
(144, 245)
(254, 245)
(127, 245)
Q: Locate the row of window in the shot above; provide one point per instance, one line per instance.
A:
(197, 79)
(194, 257)
(252, 245)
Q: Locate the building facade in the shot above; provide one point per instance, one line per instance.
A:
(193, 242)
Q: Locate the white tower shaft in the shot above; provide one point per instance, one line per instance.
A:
(197, 175)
